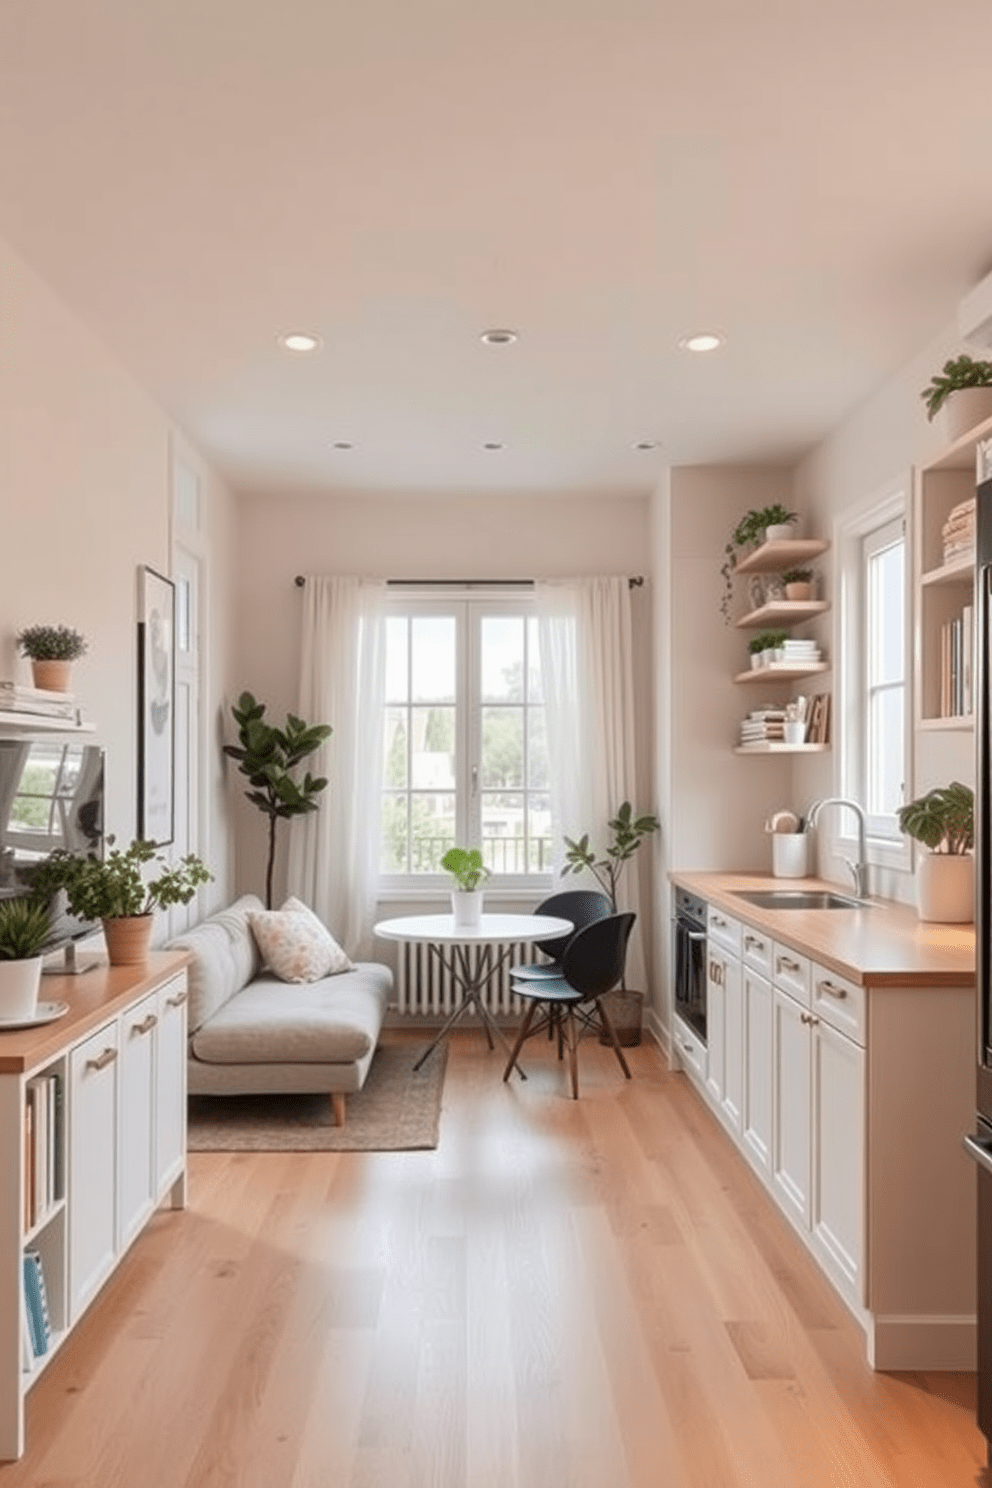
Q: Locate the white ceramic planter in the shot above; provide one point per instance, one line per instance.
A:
(945, 888)
(781, 532)
(19, 983)
(963, 410)
(757, 660)
(466, 907)
(790, 854)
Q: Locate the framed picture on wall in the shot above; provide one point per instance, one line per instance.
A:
(156, 706)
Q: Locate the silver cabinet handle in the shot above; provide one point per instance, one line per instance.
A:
(716, 973)
(753, 940)
(146, 1025)
(809, 1018)
(783, 963)
(718, 921)
(102, 1060)
(178, 1000)
(980, 1150)
(831, 989)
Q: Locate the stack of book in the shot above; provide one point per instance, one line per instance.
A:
(956, 663)
(800, 653)
(38, 1323)
(37, 702)
(763, 726)
(958, 532)
(43, 1144)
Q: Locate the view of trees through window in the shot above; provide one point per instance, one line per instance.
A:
(465, 749)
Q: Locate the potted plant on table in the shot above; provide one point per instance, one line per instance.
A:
(944, 821)
(51, 650)
(961, 393)
(468, 870)
(113, 889)
(24, 927)
(627, 832)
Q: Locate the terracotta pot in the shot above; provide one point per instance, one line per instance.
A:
(799, 591)
(945, 888)
(53, 676)
(19, 982)
(127, 939)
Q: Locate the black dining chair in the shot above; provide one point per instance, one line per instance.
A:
(582, 907)
(592, 964)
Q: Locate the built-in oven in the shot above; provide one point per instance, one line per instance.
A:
(689, 938)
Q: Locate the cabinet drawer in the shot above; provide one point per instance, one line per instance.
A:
(840, 1003)
(689, 1048)
(724, 930)
(791, 972)
(756, 949)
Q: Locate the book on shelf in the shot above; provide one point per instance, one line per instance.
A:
(36, 700)
(36, 1301)
(43, 1143)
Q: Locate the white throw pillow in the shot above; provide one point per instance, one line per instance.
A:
(295, 945)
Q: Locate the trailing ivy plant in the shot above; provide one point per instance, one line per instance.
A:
(748, 533)
(268, 756)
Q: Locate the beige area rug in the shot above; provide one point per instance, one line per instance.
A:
(397, 1109)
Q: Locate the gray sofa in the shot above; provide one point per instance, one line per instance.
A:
(250, 1033)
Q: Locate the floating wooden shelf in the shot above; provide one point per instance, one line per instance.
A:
(781, 671)
(944, 725)
(790, 552)
(39, 723)
(770, 748)
(958, 571)
(782, 612)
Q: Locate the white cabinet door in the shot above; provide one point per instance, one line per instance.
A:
(838, 1152)
(92, 1177)
(733, 1045)
(791, 1105)
(715, 1024)
(136, 1152)
(170, 1085)
(757, 1113)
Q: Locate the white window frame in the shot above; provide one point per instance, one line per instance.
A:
(467, 604)
(886, 847)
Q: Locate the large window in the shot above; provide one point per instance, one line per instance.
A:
(465, 755)
(884, 572)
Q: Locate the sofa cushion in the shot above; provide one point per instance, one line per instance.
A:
(335, 1020)
(295, 944)
(225, 958)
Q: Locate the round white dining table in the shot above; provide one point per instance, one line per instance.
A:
(453, 944)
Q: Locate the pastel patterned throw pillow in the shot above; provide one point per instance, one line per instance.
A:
(295, 945)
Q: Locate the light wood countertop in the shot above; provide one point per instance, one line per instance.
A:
(93, 997)
(884, 945)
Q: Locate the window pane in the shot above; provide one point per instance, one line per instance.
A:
(886, 765)
(397, 633)
(535, 693)
(433, 670)
(502, 660)
(537, 750)
(539, 831)
(432, 831)
(396, 748)
(433, 761)
(395, 829)
(502, 747)
(503, 848)
(886, 572)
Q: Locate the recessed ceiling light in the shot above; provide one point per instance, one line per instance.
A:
(299, 341)
(343, 444)
(498, 337)
(648, 444)
(493, 444)
(704, 341)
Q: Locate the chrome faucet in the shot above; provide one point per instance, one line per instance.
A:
(859, 870)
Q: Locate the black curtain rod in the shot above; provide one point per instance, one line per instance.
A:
(635, 583)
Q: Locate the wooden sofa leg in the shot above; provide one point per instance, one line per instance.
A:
(337, 1104)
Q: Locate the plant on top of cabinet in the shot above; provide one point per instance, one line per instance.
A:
(51, 650)
(749, 532)
(944, 821)
(957, 373)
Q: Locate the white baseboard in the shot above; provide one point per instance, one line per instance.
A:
(931, 1343)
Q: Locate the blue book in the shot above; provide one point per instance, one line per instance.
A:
(37, 1300)
(30, 1310)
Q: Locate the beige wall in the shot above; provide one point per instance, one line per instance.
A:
(84, 499)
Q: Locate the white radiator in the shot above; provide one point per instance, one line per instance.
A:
(424, 986)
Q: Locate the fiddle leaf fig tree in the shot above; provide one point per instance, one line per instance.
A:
(268, 756)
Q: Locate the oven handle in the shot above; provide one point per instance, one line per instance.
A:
(692, 934)
(980, 1150)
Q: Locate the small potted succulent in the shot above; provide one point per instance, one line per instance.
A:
(468, 870)
(798, 583)
(961, 393)
(756, 646)
(944, 821)
(113, 889)
(51, 650)
(24, 928)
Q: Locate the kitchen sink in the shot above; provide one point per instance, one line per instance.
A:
(799, 899)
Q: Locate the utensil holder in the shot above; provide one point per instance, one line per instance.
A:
(790, 854)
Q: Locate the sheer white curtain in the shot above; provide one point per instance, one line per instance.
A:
(334, 851)
(586, 641)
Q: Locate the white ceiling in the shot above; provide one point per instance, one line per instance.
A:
(195, 176)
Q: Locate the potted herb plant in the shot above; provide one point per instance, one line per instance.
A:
(944, 822)
(798, 583)
(627, 832)
(114, 889)
(468, 870)
(756, 646)
(961, 393)
(24, 927)
(777, 522)
(51, 650)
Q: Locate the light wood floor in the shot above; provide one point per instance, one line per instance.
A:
(591, 1294)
